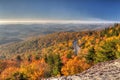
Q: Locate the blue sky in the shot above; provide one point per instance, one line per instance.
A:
(61, 9)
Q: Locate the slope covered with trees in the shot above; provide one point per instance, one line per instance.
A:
(53, 54)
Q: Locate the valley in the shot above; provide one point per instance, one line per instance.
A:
(19, 32)
(59, 53)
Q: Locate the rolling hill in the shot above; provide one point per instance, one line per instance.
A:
(53, 54)
(19, 32)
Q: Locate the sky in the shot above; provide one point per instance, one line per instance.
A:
(83, 10)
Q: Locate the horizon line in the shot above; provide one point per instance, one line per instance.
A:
(54, 21)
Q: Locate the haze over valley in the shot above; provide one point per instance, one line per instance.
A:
(19, 32)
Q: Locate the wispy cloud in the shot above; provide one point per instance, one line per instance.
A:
(27, 21)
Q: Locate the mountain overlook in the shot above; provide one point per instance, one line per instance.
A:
(59, 39)
(53, 55)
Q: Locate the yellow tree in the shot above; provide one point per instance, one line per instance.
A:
(8, 72)
(35, 70)
(75, 65)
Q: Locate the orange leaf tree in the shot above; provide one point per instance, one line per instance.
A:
(74, 66)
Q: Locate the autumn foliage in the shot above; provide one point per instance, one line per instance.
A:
(74, 65)
(53, 54)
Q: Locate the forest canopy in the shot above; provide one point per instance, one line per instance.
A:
(53, 54)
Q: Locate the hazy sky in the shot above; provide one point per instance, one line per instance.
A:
(60, 9)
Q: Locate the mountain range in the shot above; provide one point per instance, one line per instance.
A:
(19, 32)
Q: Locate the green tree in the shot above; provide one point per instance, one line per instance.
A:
(18, 58)
(55, 63)
(91, 55)
(108, 51)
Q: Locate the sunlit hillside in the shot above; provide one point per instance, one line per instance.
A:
(53, 54)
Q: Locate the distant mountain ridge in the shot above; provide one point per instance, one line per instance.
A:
(18, 32)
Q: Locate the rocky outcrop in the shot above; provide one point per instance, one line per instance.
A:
(109, 70)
